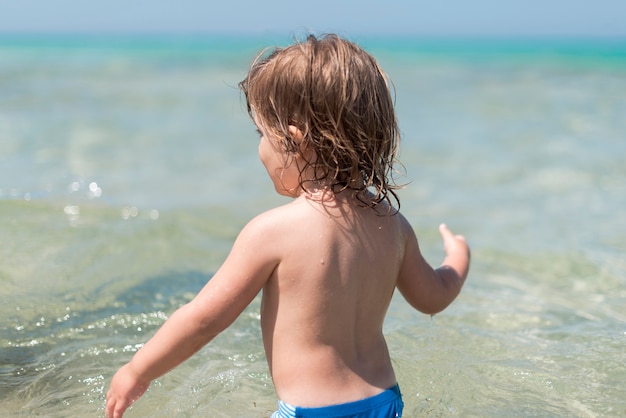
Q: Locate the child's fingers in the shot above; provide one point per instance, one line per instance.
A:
(447, 234)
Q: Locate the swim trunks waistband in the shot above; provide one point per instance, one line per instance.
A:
(387, 404)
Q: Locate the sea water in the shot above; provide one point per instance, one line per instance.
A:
(128, 165)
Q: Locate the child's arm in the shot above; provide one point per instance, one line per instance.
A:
(432, 290)
(219, 303)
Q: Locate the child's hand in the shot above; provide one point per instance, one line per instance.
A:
(457, 250)
(125, 389)
(452, 243)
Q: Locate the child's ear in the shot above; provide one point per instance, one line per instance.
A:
(303, 147)
(296, 134)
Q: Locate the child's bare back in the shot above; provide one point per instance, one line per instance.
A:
(324, 305)
(329, 261)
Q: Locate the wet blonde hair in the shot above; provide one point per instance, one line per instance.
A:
(339, 98)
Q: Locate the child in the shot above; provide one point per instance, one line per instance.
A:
(329, 261)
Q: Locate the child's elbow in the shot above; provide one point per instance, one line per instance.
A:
(428, 306)
(435, 307)
(434, 299)
(205, 326)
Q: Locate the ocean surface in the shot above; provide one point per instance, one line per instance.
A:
(128, 165)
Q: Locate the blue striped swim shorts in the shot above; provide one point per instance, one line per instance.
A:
(387, 404)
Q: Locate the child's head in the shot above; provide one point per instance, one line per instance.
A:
(338, 98)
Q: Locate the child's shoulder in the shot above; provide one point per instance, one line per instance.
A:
(275, 220)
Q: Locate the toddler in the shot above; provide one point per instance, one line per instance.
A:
(327, 262)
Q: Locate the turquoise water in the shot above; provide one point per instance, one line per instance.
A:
(128, 165)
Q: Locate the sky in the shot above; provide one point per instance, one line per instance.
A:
(509, 18)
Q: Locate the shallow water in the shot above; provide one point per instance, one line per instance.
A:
(128, 167)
